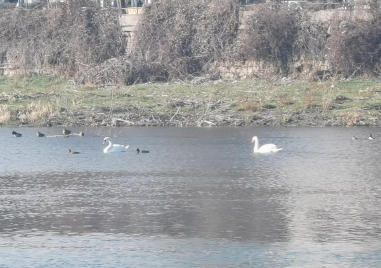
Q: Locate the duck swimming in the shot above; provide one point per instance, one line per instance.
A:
(266, 148)
(143, 151)
(113, 148)
(39, 134)
(370, 137)
(354, 137)
(66, 131)
(71, 152)
(16, 135)
(81, 134)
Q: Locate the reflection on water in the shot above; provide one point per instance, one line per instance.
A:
(184, 207)
(199, 198)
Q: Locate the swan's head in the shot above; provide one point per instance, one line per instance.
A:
(255, 138)
(105, 140)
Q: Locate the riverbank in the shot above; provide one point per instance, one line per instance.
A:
(45, 102)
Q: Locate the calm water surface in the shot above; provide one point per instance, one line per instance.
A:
(200, 198)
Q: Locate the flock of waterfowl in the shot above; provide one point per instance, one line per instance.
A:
(65, 133)
(111, 148)
(114, 148)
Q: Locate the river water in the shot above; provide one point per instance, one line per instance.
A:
(199, 198)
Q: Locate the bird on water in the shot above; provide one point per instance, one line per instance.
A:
(71, 152)
(16, 135)
(143, 151)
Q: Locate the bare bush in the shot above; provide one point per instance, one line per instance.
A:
(310, 47)
(64, 41)
(356, 47)
(271, 35)
(180, 39)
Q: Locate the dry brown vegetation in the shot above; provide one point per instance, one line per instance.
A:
(356, 46)
(182, 39)
(41, 111)
(5, 114)
(293, 43)
(65, 42)
(271, 36)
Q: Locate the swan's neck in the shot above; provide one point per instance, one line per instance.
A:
(256, 144)
(109, 144)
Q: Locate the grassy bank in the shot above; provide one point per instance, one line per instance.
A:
(44, 101)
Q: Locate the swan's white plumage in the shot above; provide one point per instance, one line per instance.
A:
(266, 148)
(113, 148)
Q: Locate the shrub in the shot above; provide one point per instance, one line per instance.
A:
(65, 41)
(180, 39)
(270, 36)
(356, 47)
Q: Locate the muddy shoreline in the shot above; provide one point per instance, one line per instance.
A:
(104, 117)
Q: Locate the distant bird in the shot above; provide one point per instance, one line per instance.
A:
(81, 134)
(66, 131)
(371, 137)
(39, 134)
(16, 135)
(354, 137)
(143, 151)
(71, 152)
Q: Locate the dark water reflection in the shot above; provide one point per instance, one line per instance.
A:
(199, 198)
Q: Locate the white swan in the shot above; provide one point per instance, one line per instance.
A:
(113, 148)
(267, 148)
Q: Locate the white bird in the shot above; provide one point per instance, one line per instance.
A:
(113, 148)
(371, 137)
(266, 148)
